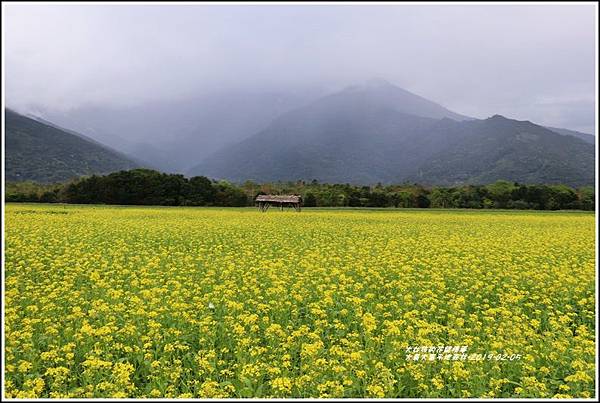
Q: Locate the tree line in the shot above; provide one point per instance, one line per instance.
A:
(148, 187)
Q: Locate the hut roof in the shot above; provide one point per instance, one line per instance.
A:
(279, 198)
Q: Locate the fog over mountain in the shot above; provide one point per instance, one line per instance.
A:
(175, 85)
(64, 57)
(377, 132)
(175, 135)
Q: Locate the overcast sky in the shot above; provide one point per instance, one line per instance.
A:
(533, 62)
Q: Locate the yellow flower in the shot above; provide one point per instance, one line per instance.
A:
(142, 302)
(24, 366)
(369, 322)
(282, 385)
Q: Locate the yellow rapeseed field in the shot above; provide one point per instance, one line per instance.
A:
(200, 302)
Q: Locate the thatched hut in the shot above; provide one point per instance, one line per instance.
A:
(265, 201)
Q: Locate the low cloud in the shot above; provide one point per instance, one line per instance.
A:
(534, 62)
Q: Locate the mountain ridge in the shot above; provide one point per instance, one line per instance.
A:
(364, 135)
(44, 153)
(367, 133)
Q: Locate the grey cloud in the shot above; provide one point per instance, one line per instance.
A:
(534, 62)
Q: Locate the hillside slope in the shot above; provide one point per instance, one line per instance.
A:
(363, 135)
(588, 138)
(43, 153)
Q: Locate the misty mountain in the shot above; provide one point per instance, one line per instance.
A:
(43, 152)
(588, 138)
(380, 133)
(483, 151)
(174, 135)
(379, 93)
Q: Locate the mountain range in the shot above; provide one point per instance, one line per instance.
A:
(378, 132)
(364, 134)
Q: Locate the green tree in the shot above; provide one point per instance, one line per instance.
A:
(441, 198)
(500, 193)
(310, 200)
(201, 191)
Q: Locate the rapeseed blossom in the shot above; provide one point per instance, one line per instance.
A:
(198, 302)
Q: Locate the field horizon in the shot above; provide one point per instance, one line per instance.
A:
(308, 209)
